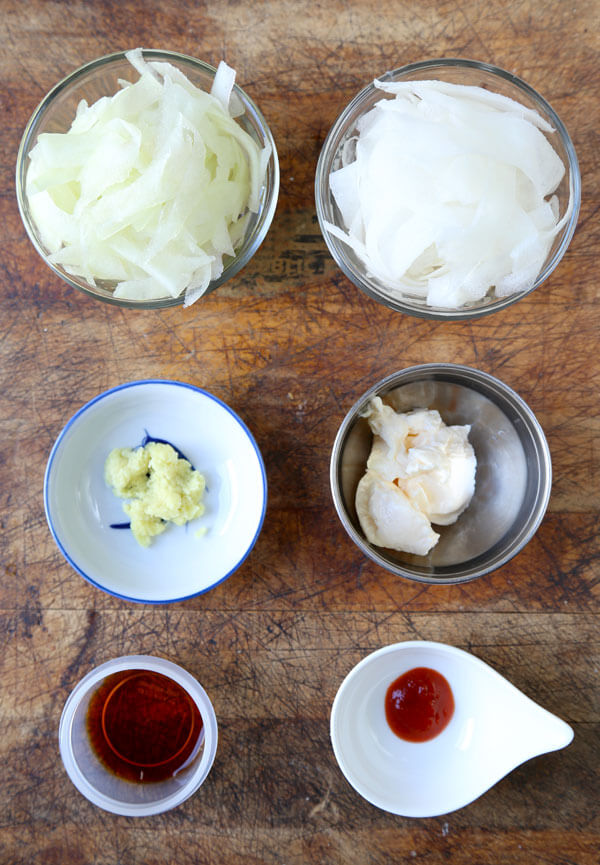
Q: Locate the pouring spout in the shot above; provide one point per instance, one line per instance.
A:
(550, 733)
(533, 730)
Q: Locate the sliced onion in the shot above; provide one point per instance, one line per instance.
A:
(151, 188)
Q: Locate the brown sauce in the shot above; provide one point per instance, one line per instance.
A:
(143, 726)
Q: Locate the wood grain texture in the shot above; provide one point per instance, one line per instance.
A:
(290, 344)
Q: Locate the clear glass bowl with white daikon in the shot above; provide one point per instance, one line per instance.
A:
(447, 189)
(147, 178)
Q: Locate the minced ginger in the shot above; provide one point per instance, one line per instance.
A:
(160, 486)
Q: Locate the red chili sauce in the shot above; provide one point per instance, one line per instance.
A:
(143, 726)
(419, 704)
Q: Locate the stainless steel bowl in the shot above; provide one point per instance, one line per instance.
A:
(513, 477)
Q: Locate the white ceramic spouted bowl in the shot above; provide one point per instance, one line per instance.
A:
(494, 729)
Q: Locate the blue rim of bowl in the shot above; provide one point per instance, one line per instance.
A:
(337, 249)
(88, 405)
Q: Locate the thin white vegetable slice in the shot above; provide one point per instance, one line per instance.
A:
(479, 95)
(223, 84)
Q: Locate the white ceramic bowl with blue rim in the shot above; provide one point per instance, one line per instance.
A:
(83, 512)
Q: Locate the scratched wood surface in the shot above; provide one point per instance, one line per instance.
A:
(290, 345)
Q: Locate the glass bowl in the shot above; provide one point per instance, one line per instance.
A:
(512, 481)
(455, 71)
(94, 779)
(101, 78)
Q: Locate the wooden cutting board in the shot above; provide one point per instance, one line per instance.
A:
(290, 344)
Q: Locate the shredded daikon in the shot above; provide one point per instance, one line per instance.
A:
(446, 193)
(151, 188)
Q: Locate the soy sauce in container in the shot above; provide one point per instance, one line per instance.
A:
(143, 726)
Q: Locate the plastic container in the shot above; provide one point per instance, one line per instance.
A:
(100, 785)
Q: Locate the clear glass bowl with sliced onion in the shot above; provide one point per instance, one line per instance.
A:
(147, 178)
(448, 189)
